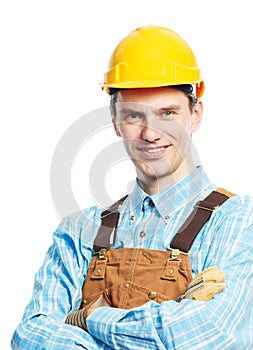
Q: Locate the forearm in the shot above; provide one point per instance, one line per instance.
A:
(186, 325)
(191, 325)
(57, 290)
(45, 333)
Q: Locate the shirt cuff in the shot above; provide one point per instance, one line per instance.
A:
(101, 322)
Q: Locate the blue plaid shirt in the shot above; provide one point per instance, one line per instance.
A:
(226, 240)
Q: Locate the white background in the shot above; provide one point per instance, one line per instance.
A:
(53, 56)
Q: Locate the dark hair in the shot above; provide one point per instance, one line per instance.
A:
(113, 100)
(192, 101)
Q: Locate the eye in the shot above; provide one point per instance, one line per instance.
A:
(167, 114)
(133, 117)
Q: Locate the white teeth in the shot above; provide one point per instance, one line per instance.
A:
(154, 150)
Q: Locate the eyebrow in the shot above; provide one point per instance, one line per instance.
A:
(129, 110)
(170, 107)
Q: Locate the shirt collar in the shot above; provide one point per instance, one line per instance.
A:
(173, 198)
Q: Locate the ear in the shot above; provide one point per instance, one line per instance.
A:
(116, 127)
(197, 116)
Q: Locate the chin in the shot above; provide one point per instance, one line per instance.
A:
(157, 175)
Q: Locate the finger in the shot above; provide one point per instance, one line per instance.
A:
(211, 274)
(214, 275)
(204, 272)
(207, 292)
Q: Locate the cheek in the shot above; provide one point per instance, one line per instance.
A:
(173, 130)
(179, 135)
(186, 123)
(129, 132)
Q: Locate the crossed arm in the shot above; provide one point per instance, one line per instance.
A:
(223, 322)
(203, 287)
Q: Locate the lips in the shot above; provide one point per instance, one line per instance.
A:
(153, 152)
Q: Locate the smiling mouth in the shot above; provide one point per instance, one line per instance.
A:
(154, 151)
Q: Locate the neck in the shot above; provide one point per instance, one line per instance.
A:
(152, 185)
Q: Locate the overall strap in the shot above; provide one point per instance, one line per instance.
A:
(184, 238)
(110, 217)
(202, 212)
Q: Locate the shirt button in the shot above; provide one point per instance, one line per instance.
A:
(132, 217)
(166, 217)
(151, 204)
(152, 295)
(142, 234)
(126, 285)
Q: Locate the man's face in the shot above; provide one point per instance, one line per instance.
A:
(156, 126)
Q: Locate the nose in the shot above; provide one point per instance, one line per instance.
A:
(150, 133)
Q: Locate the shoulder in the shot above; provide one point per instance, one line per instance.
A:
(234, 217)
(82, 224)
(228, 233)
(237, 206)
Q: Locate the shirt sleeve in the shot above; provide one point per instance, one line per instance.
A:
(57, 290)
(225, 322)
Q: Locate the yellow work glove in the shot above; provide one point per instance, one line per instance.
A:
(205, 285)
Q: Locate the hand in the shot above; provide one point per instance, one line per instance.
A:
(78, 318)
(99, 303)
(205, 285)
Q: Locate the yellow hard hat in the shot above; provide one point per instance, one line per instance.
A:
(152, 56)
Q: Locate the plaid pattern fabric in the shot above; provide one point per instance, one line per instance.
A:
(225, 322)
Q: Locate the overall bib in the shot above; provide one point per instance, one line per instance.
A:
(130, 277)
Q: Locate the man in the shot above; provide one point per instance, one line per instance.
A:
(121, 278)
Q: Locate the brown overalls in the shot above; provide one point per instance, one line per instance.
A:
(130, 277)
